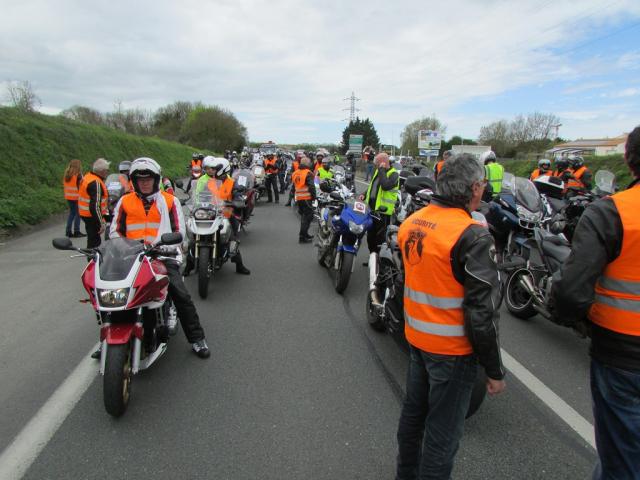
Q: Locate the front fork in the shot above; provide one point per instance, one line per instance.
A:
(373, 277)
(138, 331)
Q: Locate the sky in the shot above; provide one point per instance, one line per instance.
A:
(284, 67)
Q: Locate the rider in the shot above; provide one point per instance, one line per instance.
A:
(305, 194)
(562, 171)
(438, 166)
(145, 214)
(218, 181)
(544, 169)
(92, 202)
(324, 172)
(493, 171)
(196, 161)
(318, 164)
(271, 169)
(580, 175)
(382, 192)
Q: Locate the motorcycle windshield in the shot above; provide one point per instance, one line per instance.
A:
(338, 170)
(117, 256)
(527, 194)
(605, 181)
(114, 187)
(508, 183)
(244, 178)
(206, 199)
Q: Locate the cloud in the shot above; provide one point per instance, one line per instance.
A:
(289, 63)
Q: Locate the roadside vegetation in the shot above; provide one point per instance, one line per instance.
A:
(35, 149)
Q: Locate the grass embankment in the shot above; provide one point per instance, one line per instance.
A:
(613, 163)
(35, 150)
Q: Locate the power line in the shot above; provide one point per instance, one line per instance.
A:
(352, 107)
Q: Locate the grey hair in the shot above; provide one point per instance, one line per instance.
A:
(455, 180)
(100, 165)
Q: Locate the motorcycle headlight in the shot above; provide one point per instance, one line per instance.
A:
(527, 215)
(355, 228)
(113, 298)
(202, 214)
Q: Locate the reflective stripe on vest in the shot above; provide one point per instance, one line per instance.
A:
(616, 303)
(71, 188)
(299, 179)
(83, 195)
(141, 225)
(388, 198)
(433, 297)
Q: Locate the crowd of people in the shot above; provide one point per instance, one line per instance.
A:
(451, 284)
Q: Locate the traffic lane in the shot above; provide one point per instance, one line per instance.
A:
(44, 330)
(513, 435)
(290, 390)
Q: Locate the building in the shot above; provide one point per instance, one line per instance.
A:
(476, 150)
(597, 147)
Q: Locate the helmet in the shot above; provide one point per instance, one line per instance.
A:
(562, 163)
(487, 157)
(326, 160)
(145, 167)
(544, 163)
(221, 165)
(319, 153)
(209, 161)
(200, 156)
(576, 161)
(124, 166)
(194, 156)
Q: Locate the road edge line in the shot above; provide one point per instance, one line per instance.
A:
(27, 445)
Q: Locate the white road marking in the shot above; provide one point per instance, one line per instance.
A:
(561, 408)
(27, 445)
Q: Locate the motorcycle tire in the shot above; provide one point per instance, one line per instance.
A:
(343, 274)
(375, 321)
(518, 301)
(478, 393)
(203, 272)
(117, 379)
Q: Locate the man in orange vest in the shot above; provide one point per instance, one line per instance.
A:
(271, 169)
(599, 291)
(305, 194)
(544, 169)
(450, 292)
(145, 214)
(92, 201)
(580, 175)
(438, 166)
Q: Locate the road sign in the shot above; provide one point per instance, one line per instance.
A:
(429, 139)
(428, 153)
(355, 143)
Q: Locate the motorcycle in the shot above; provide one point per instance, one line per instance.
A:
(127, 285)
(528, 286)
(260, 176)
(244, 195)
(208, 232)
(343, 223)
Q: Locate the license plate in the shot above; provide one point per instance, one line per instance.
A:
(359, 207)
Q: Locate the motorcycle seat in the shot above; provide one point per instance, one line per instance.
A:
(413, 185)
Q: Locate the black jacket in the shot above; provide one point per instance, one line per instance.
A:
(381, 180)
(597, 242)
(474, 266)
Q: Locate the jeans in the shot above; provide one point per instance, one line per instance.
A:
(74, 218)
(184, 305)
(272, 183)
(369, 171)
(616, 410)
(431, 425)
(376, 234)
(306, 217)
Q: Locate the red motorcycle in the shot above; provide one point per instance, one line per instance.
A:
(128, 286)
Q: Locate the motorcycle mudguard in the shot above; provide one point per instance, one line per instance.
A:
(348, 248)
(119, 334)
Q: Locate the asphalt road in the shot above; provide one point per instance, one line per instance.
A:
(297, 386)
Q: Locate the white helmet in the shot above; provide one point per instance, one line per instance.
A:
(487, 156)
(221, 165)
(145, 167)
(544, 162)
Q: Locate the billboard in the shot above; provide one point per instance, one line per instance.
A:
(355, 143)
(429, 140)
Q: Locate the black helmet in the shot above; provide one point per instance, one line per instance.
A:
(201, 156)
(576, 161)
(562, 163)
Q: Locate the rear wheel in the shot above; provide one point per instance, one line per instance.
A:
(374, 319)
(519, 301)
(117, 379)
(344, 271)
(203, 271)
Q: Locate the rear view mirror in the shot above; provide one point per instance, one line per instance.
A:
(62, 244)
(172, 238)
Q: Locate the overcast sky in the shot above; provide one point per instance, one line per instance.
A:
(284, 66)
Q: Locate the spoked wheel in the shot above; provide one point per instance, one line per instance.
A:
(117, 379)
(519, 301)
(203, 271)
(374, 319)
(343, 274)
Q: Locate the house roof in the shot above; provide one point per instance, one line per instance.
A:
(592, 143)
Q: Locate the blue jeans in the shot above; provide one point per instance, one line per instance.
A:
(369, 172)
(74, 217)
(431, 425)
(616, 411)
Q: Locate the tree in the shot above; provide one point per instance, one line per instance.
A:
(22, 96)
(214, 128)
(409, 135)
(496, 134)
(168, 122)
(360, 127)
(84, 114)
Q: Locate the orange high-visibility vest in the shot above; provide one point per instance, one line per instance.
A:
(125, 182)
(196, 163)
(141, 225)
(299, 179)
(270, 166)
(439, 166)
(224, 191)
(617, 300)
(295, 165)
(83, 195)
(434, 320)
(577, 182)
(537, 173)
(71, 188)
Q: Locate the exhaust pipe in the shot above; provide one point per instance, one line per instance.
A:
(373, 275)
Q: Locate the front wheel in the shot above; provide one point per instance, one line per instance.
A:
(117, 379)
(203, 271)
(519, 301)
(344, 271)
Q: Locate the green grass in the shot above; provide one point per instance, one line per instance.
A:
(35, 149)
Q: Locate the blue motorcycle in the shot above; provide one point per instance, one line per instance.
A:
(343, 222)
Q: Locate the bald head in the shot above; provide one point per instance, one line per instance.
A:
(382, 160)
